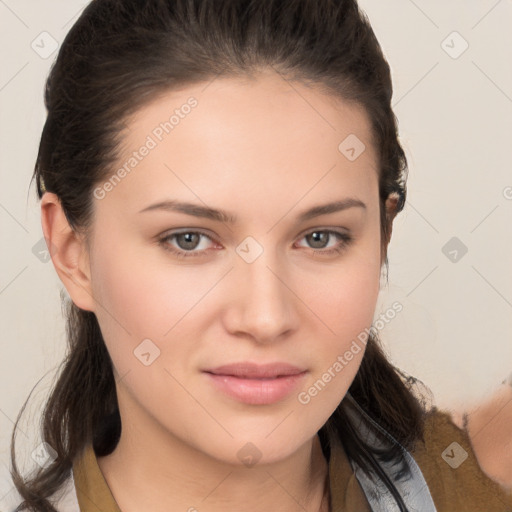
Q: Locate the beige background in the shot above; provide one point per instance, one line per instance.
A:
(455, 117)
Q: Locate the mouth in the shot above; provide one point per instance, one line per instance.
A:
(247, 370)
(256, 384)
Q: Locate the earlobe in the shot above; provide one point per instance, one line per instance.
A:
(68, 252)
(390, 209)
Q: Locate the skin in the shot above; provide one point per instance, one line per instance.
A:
(264, 151)
(488, 426)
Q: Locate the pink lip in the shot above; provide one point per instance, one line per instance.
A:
(256, 384)
(250, 370)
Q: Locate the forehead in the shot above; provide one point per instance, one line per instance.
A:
(251, 135)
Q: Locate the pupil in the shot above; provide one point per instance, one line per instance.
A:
(191, 240)
(317, 236)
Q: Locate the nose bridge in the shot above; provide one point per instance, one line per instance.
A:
(263, 303)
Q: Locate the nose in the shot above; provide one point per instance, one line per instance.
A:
(262, 304)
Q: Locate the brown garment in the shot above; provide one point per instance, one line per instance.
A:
(462, 489)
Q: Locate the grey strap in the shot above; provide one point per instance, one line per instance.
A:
(413, 489)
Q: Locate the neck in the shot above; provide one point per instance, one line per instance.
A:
(160, 472)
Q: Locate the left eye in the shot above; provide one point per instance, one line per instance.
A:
(188, 241)
(322, 235)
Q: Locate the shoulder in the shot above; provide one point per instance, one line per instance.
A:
(452, 470)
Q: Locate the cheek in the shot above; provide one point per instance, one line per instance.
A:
(140, 291)
(344, 307)
(344, 295)
(136, 297)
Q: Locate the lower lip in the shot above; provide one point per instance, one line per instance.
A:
(257, 391)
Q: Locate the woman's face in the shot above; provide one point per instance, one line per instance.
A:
(249, 289)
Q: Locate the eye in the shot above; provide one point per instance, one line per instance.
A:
(186, 241)
(319, 238)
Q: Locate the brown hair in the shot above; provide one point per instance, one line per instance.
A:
(120, 54)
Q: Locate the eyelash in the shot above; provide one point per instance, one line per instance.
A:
(345, 239)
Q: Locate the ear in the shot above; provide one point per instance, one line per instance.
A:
(68, 251)
(390, 213)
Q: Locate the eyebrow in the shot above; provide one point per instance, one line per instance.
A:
(218, 215)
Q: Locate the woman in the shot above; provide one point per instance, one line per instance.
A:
(218, 185)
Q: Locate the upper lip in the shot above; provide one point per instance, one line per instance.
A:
(250, 370)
